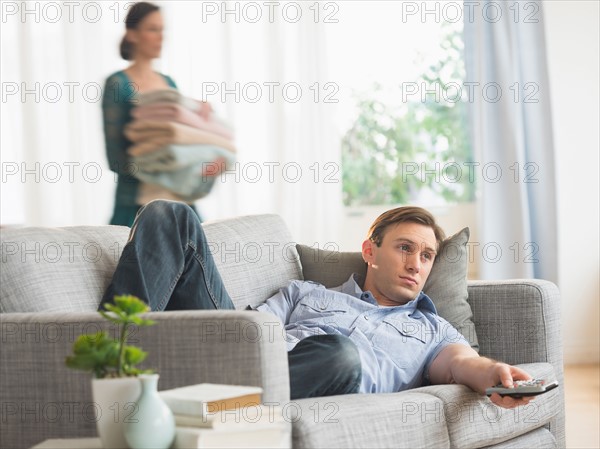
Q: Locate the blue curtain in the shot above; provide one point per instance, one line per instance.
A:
(511, 128)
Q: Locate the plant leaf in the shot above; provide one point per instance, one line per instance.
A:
(131, 305)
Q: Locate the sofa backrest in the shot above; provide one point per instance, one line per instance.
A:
(68, 269)
(255, 255)
(57, 269)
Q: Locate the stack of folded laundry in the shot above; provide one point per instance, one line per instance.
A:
(176, 145)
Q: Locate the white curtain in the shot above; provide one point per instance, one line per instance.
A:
(55, 58)
(511, 121)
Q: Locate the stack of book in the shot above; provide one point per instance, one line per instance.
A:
(225, 416)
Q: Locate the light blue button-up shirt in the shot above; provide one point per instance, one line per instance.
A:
(396, 344)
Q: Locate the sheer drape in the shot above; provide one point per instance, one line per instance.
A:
(264, 78)
(512, 135)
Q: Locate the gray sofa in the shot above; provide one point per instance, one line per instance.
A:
(52, 280)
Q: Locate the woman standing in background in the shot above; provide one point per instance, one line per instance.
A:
(141, 44)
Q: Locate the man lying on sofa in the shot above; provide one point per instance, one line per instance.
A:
(338, 342)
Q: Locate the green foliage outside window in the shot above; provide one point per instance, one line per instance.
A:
(390, 153)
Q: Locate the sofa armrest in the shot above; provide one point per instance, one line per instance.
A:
(517, 322)
(42, 398)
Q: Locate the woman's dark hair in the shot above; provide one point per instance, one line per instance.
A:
(136, 14)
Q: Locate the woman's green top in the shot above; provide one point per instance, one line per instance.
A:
(120, 97)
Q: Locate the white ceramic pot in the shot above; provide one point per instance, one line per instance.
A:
(153, 426)
(114, 401)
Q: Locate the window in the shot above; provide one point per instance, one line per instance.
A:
(402, 125)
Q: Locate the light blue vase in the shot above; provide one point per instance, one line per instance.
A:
(151, 425)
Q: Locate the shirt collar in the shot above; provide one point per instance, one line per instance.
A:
(351, 287)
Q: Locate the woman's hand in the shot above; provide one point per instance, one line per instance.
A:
(214, 168)
(206, 110)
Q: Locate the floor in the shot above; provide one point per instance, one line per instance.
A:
(582, 392)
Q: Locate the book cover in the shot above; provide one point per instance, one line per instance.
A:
(252, 416)
(204, 399)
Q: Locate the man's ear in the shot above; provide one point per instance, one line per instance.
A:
(367, 251)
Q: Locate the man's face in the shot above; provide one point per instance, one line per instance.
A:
(398, 269)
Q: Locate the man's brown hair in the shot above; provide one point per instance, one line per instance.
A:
(406, 214)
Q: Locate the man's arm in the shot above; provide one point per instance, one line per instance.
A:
(460, 364)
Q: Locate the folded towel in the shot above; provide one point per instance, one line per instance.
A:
(187, 183)
(167, 96)
(183, 169)
(151, 135)
(170, 112)
(176, 157)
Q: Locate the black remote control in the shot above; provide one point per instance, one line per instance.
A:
(523, 388)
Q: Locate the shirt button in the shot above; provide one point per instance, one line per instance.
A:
(366, 318)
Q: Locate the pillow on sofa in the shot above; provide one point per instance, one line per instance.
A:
(446, 285)
(58, 269)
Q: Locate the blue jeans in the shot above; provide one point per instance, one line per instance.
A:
(167, 263)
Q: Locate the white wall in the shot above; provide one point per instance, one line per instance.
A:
(572, 49)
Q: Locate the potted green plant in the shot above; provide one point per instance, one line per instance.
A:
(107, 357)
(115, 386)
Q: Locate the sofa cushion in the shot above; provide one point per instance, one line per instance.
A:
(58, 269)
(475, 421)
(395, 420)
(540, 438)
(255, 256)
(446, 285)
